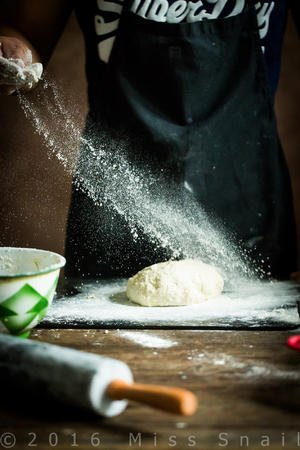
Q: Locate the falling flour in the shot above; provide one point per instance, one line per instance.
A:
(142, 198)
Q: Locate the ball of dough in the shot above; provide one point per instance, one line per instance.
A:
(174, 283)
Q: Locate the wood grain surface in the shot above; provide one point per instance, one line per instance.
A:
(247, 383)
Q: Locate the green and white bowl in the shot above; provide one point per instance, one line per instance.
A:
(28, 279)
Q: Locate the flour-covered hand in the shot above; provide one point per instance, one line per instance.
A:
(16, 68)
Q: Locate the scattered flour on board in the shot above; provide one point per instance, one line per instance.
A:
(250, 305)
(147, 340)
(174, 223)
(246, 368)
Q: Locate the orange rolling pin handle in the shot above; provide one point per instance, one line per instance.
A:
(170, 399)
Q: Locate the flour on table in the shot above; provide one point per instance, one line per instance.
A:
(247, 368)
(147, 340)
(175, 283)
(251, 305)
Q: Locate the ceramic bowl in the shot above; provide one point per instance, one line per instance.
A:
(28, 279)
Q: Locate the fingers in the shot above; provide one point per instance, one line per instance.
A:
(13, 48)
(16, 69)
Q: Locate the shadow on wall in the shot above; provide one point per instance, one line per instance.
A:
(288, 110)
(35, 188)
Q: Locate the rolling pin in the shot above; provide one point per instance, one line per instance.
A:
(82, 380)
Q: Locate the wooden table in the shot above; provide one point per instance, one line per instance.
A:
(247, 382)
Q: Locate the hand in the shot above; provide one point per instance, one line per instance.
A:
(18, 57)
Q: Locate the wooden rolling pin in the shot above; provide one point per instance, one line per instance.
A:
(81, 379)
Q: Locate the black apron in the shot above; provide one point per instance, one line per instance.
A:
(195, 96)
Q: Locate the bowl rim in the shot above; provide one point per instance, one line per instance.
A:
(51, 268)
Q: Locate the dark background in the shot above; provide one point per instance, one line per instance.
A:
(35, 189)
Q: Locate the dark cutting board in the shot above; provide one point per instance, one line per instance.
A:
(103, 304)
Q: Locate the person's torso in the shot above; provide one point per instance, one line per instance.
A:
(99, 21)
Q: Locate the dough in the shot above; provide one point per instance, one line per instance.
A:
(174, 283)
